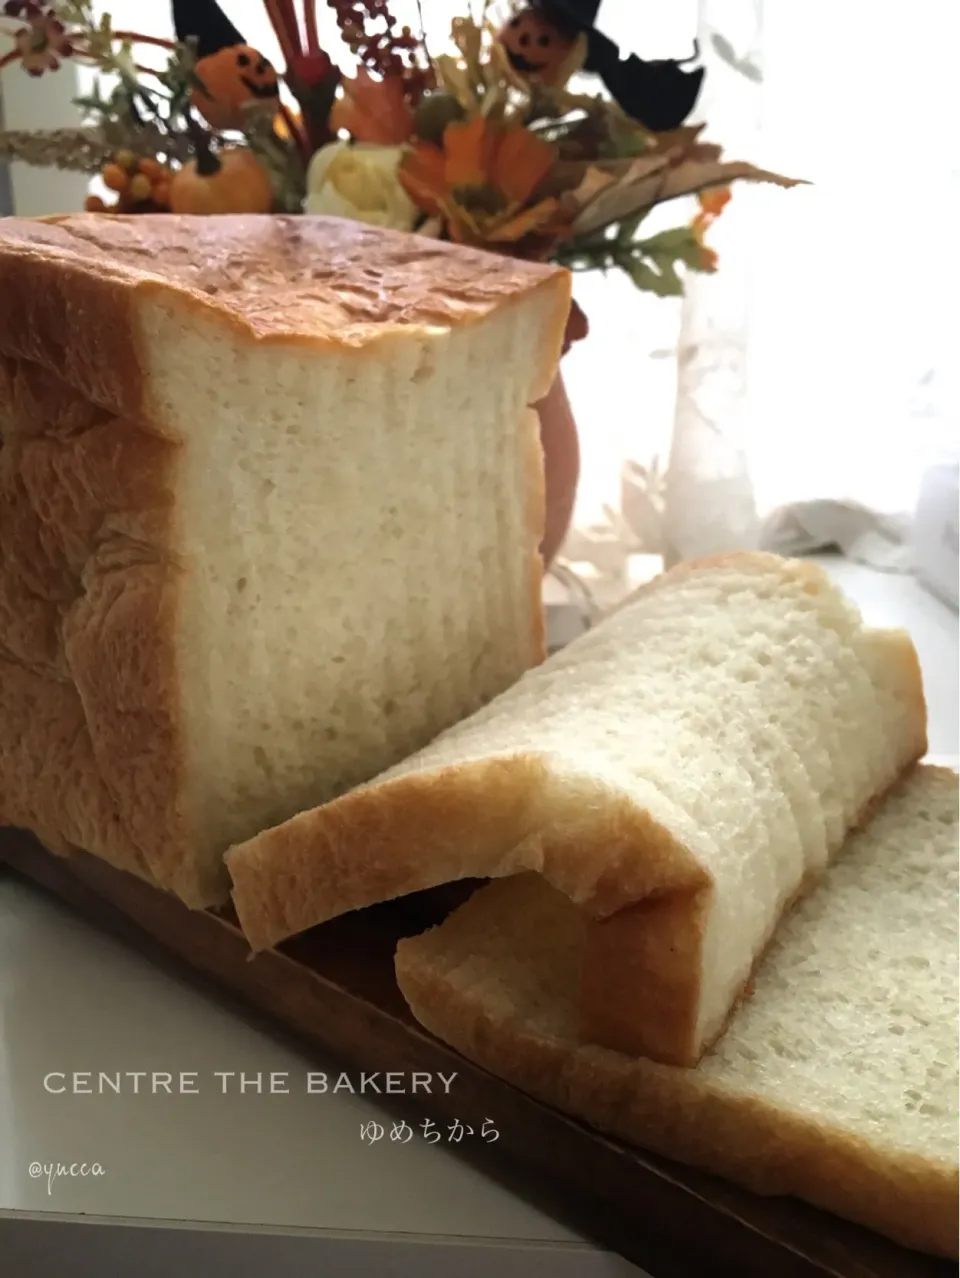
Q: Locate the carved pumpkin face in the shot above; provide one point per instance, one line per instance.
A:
(232, 77)
(537, 49)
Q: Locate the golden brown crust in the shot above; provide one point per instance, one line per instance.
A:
(294, 279)
(747, 1141)
(642, 966)
(89, 754)
(529, 1036)
(639, 986)
(421, 830)
(762, 562)
(641, 978)
(478, 820)
(92, 752)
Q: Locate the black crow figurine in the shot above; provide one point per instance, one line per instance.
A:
(658, 95)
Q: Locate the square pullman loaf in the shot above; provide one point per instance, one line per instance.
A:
(271, 499)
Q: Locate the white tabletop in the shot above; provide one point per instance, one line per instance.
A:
(73, 1000)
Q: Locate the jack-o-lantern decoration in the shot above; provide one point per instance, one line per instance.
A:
(229, 79)
(537, 48)
(540, 43)
(231, 181)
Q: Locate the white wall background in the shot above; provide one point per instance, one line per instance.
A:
(44, 102)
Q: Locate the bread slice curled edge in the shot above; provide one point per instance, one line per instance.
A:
(682, 773)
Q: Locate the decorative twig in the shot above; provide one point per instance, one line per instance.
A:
(284, 29)
(296, 133)
(133, 37)
(73, 150)
(310, 25)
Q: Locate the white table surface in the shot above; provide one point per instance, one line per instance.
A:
(279, 1184)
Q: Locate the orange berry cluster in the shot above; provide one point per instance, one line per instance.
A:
(141, 183)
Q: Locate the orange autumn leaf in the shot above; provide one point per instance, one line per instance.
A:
(709, 258)
(523, 223)
(714, 200)
(469, 147)
(373, 110)
(520, 163)
(423, 176)
(481, 183)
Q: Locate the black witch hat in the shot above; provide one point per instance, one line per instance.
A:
(205, 22)
(658, 95)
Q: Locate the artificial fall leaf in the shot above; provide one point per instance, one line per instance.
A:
(499, 68)
(634, 187)
(468, 38)
(685, 144)
(714, 200)
(702, 257)
(590, 186)
(494, 102)
(453, 79)
(568, 175)
(522, 224)
(681, 139)
(481, 182)
(628, 198)
(469, 148)
(574, 62)
(373, 110)
(704, 153)
(583, 139)
(521, 162)
(423, 176)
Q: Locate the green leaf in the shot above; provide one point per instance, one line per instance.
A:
(674, 243)
(701, 268)
(657, 276)
(628, 228)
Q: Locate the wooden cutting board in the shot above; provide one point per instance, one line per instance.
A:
(334, 989)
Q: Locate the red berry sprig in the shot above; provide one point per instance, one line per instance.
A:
(387, 51)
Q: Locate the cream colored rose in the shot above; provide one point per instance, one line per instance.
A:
(359, 181)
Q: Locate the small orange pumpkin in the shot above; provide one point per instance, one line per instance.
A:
(232, 181)
(230, 78)
(537, 49)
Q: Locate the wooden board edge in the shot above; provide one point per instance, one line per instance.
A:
(739, 1232)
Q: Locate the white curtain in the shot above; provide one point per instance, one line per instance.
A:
(792, 399)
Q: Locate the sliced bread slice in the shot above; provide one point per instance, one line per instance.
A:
(835, 1081)
(682, 772)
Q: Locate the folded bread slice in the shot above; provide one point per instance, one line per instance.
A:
(681, 773)
(835, 1081)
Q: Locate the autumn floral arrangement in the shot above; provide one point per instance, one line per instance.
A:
(530, 135)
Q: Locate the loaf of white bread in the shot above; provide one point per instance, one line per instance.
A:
(681, 773)
(835, 1081)
(270, 506)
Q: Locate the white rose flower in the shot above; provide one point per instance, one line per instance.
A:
(359, 181)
